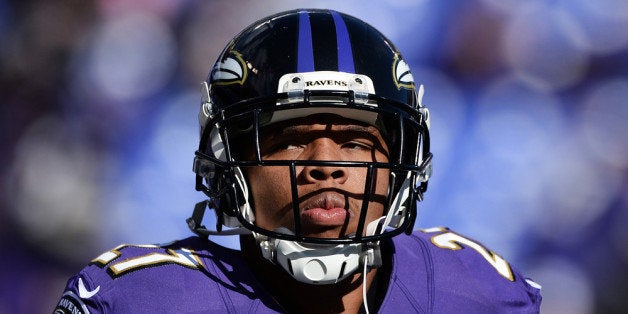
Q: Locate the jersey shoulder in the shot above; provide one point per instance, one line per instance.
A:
(193, 274)
(459, 273)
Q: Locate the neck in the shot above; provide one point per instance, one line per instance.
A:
(295, 296)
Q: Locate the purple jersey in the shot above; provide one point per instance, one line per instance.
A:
(434, 270)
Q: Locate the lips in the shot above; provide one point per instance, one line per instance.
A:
(325, 210)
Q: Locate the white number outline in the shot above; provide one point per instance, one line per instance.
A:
(447, 239)
(183, 257)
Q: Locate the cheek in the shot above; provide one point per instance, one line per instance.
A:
(382, 177)
(379, 184)
(379, 190)
(269, 191)
(380, 194)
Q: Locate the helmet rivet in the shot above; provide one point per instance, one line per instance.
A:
(358, 80)
(296, 79)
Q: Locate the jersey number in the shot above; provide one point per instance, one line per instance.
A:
(453, 241)
(182, 257)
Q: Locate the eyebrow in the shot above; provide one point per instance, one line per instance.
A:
(300, 129)
(350, 130)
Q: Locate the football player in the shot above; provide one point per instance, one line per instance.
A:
(315, 148)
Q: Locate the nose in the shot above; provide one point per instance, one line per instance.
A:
(325, 150)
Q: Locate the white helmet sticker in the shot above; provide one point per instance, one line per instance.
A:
(296, 83)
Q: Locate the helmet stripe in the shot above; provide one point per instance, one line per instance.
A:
(305, 54)
(345, 54)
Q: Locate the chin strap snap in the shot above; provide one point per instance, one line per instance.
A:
(320, 264)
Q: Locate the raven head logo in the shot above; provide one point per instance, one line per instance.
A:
(401, 73)
(230, 70)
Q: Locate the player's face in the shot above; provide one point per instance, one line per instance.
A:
(330, 198)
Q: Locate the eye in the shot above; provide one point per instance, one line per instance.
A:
(365, 149)
(287, 146)
(354, 145)
(283, 146)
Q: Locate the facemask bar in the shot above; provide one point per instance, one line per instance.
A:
(231, 113)
(365, 202)
(363, 211)
(210, 167)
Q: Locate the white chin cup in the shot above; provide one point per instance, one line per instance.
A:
(319, 264)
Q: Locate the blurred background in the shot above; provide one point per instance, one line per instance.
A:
(529, 103)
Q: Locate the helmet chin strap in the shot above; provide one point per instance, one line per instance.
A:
(319, 264)
(322, 264)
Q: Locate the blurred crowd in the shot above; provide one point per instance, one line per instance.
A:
(529, 106)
